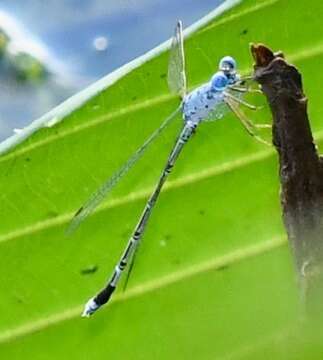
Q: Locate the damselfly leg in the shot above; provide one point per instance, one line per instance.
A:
(251, 128)
(244, 86)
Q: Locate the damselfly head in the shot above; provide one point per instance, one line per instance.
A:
(219, 81)
(228, 65)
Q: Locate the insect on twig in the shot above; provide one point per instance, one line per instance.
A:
(208, 102)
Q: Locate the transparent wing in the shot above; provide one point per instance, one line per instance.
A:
(176, 67)
(222, 108)
(106, 187)
(218, 112)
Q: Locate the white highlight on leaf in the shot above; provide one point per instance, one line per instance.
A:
(52, 122)
(17, 131)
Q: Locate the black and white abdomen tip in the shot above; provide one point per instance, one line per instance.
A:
(90, 307)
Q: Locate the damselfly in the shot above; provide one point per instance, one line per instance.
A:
(208, 102)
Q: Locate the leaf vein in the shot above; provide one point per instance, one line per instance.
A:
(142, 194)
(150, 286)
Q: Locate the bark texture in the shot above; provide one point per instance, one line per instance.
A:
(300, 166)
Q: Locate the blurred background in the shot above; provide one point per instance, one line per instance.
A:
(51, 49)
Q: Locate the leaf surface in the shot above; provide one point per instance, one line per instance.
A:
(214, 275)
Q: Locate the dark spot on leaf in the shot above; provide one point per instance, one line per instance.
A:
(134, 98)
(11, 166)
(89, 270)
(168, 237)
(162, 76)
(176, 261)
(244, 32)
(19, 299)
(27, 159)
(223, 267)
(52, 214)
(202, 212)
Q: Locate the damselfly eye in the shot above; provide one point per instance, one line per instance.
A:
(228, 64)
(219, 82)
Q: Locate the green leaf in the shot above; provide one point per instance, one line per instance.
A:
(214, 275)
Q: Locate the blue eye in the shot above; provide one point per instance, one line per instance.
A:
(219, 82)
(227, 63)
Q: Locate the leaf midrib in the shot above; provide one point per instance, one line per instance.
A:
(303, 54)
(192, 178)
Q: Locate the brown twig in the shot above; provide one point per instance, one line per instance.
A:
(301, 172)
